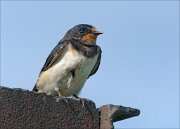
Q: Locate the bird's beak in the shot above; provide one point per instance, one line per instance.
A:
(97, 33)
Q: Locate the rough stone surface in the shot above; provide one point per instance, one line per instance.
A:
(22, 109)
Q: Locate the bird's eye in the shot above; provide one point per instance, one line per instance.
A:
(81, 30)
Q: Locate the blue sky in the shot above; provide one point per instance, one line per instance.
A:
(140, 45)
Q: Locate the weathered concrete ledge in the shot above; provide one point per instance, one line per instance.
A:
(111, 113)
(23, 109)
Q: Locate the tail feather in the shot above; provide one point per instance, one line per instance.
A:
(35, 88)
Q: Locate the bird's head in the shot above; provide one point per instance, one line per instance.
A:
(87, 34)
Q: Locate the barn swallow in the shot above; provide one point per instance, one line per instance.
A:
(75, 58)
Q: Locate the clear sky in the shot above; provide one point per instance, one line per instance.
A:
(140, 52)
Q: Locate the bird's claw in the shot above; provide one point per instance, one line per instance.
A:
(61, 97)
(81, 100)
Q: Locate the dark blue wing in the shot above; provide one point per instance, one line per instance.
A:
(55, 53)
(96, 66)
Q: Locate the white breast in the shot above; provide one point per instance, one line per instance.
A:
(59, 76)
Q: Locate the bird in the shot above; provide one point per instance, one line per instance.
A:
(74, 59)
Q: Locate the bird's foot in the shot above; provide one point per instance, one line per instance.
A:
(58, 98)
(81, 100)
